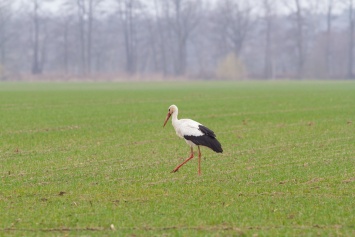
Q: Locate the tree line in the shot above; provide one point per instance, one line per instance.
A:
(228, 39)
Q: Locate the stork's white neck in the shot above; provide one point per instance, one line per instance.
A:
(175, 116)
(175, 122)
(174, 119)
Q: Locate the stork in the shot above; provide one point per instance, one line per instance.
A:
(194, 133)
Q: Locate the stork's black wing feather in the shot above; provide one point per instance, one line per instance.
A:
(208, 139)
(206, 131)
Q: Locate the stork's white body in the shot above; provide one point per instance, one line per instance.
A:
(186, 127)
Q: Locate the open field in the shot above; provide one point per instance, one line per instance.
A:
(93, 159)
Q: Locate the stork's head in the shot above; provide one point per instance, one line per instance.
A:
(172, 109)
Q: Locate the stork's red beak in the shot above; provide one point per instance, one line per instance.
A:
(166, 119)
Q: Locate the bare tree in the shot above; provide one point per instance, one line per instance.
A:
(39, 36)
(233, 23)
(37, 63)
(81, 11)
(65, 23)
(299, 22)
(182, 17)
(329, 19)
(86, 12)
(349, 4)
(128, 12)
(269, 11)
(161, 42)
(5, 21)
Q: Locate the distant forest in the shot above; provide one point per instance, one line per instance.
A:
(221, 39)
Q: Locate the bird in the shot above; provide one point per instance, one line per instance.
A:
(194, 133)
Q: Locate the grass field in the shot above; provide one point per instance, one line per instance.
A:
(93, 159)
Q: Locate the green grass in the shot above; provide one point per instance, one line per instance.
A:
(78, 158)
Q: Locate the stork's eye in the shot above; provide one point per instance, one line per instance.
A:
(169, 110)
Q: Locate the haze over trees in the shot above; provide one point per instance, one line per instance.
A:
(262, 39)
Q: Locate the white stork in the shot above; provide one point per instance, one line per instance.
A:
(194, 133)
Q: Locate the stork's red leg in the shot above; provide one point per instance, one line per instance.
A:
(178, 167)
(199, 161)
